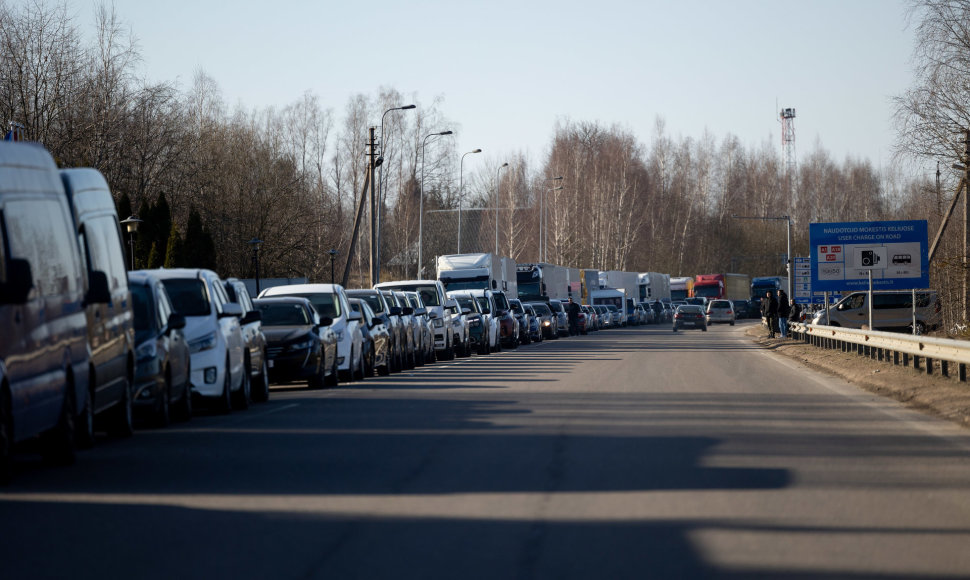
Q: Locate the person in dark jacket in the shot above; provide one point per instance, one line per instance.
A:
(784, 309)
(795, 314)
(572, 312)
(769, 311)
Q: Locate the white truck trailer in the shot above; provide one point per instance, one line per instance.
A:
(478, 272)
(653, 286)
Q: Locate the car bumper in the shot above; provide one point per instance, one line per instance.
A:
(208, 372)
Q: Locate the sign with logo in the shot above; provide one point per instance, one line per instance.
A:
(843, 255)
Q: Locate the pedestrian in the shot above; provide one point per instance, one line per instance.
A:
(769, 311)
(784, 309)
(572, 311)
(795, 315)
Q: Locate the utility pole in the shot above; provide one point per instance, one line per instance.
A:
(372, 167)
(361, 204)
(966, 217)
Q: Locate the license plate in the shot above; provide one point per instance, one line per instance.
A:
(269, 363)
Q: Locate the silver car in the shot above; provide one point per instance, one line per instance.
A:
(720, 311)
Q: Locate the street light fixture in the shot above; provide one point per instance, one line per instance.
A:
(498, 183)
(376, 205)
(333, 254)
(461, 192)
(424, 146)
(788, 260)
(131, 226)
(542, 218)
(256, 244)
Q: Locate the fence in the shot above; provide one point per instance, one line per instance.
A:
(891, 347)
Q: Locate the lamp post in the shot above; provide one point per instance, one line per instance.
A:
(333, 254)
(498, 183)
(131, 225)
(255, 244)
(542, 218)
(788, 260)
(461, 192)
(424, 146)
(380, 194)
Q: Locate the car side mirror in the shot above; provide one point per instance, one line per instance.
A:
(466, 310)
(407, 311)
(354, 315)
(19, 282)
(176, 321)
(231, 309)
(252, 316)
(326, 321)
(98, 291)
(432, 315)
(395, 310)
(451, 304)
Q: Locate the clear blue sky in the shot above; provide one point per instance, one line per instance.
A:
(508, 69)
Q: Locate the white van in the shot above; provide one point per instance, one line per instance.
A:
(891, 310)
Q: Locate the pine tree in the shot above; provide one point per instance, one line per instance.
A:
(173, 249)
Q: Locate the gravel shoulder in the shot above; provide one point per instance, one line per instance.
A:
(933, 394)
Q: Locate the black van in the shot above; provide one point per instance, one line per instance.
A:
(111, 329)
(43, 343)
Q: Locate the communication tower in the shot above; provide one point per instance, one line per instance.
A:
(787, 117)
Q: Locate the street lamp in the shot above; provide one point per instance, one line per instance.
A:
(542, 218)
(788, 260)
(424, 146)
(376, 251)
(333, 254)
(498, 183)
(461, 192)
(255, 244)
(131, 226)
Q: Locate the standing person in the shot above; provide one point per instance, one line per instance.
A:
(572, 311)
(784, 309)
(795, 315)
(769, 311)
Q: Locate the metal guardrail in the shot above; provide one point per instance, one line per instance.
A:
(892, 347)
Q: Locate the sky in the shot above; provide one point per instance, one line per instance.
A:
(508, 71)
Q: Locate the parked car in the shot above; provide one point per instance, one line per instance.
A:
(690, 316)
(720, 311)
(523, 319)
(741, 309)
(604, 316)
(410, 326)
(478, 327)
(377, 340)
(668, 312)
(461, 331)
(111, 334)
(391, 316)
(300, 345)
(891, 310)
(547, 320)
(535, 330)
(508, 326)
(44, 362)
(426, 338)
(219, 375)
(592, 320)
(162, 360)
(433, 295)
(252, 331)
(697, 301)
(562, 320)
(330, 301)
(616, 317)
(486, 302)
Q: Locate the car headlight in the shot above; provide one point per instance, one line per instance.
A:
(308, 343)
(146, 351)
(340, 335)
(206, 342)
(474, 322)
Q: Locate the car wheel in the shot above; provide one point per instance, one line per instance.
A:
(261, 394)
(58, 444)
(732, 323)
(244, 395)
(163, 401)
(920, 327)
(224, 402)
(120, 423)
(358, 372)
(84, 437)
(704, 328)
(184, 409)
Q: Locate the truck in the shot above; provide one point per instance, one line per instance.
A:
(736, 286)
(709, 286)
(478, 272)
(625, 282)
(681, 288)
(653, 286)
(542, 282)
(761, 285)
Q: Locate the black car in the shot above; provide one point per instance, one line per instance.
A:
(690, 316)
(377, 339)
(741, 309)
(162, 359)
(523, 318)
(299, 343)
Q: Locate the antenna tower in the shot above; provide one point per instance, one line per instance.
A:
(787, 117)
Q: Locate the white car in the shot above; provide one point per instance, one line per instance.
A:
(442, 309)
(487, 301)
(214, 335)
(330, 301)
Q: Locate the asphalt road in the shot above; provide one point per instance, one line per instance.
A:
(633, 453)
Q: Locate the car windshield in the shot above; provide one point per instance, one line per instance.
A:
(141, 299)
(541, 309)
(465, 302)
(556, 306)
(720, 304)
(188, 295)
(429, 294)
(284, 314)
(516, 307)
(325, 303)
(501, 302)
(483, 303)
(372, 299)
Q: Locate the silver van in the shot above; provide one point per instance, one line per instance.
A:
(108, 305)
(43, 345)
(891, 310)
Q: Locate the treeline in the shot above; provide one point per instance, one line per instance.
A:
(206, 179)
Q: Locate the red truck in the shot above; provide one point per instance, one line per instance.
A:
(709, 286)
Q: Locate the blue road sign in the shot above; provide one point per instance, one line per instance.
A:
(843, 254)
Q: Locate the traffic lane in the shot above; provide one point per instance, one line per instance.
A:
(494, 478)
